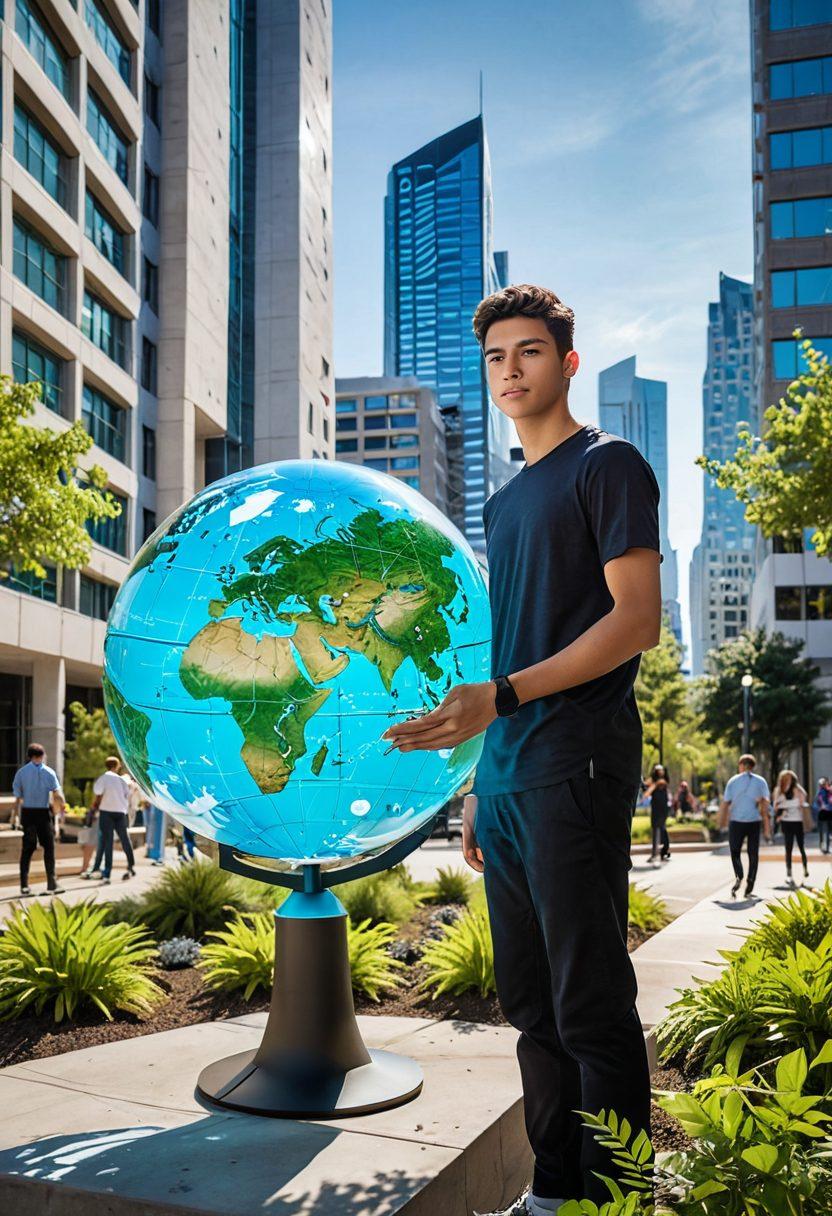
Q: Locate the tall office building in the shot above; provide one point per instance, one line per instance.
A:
(721, 569)
(392, 424)
(439, 263)
(165, 179)
(791, 44)
(636, 409)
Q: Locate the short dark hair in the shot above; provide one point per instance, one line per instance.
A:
(526, 300)
(748, 760)
(35, 749)
(113, 762)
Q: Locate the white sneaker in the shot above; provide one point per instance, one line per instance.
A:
(524, 1206)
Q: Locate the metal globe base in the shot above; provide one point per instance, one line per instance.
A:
(312, 1062)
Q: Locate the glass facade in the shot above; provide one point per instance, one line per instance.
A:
(103, 233)
(105, 421)
(30, 26)
(149, 452)
(31, 361)
(800, 78)
(346, 406)
(112, 533)
(787, 356)
(96, 598)
(791, 14)
(800, 149)
(439, 263)
(38, 154)
(111, 143)
(150, 197)
(39, 266)
(790, 288)
(41, 588)
(108, 38)
(802, 217)
(105, 328)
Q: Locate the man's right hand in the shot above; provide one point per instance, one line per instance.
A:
(472, 855)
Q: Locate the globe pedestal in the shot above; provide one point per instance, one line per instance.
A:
(312, 1061)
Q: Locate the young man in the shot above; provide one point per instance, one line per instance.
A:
(36, 790)
(746, 802)
(572, 545)
(112, 801)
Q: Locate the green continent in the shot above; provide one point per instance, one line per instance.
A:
(130, 727)
(319, 759)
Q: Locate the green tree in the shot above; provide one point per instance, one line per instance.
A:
(45, 500)
(783, 478)
(661, 691)
(788, 708)
(91, 743)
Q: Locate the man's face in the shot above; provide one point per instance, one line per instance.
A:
(39, 759)
(526, 375)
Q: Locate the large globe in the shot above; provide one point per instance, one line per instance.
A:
(266, 636)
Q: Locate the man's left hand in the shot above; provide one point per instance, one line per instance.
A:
(466, 711)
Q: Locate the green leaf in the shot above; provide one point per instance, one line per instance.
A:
(762, 1157)
(792, 1071)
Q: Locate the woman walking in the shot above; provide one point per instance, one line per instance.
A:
(790, 807)
(684, 804)
(658, 791)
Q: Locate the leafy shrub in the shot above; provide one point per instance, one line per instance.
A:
(260, 896)
(178, 952)
(242, 956)
(451, 886)
(647, 912)
(802, 917)
(758, 1149)
(378, 898)
(190, 901)
(126, 911)
(462, 958)
(71, 956)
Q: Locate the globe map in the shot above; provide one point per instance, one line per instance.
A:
(265, 637)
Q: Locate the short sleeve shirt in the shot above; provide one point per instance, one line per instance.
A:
(743, 792)
(549, 533)
(33, 783)
(114, 791)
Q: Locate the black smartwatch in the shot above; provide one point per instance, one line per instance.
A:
(506, 700)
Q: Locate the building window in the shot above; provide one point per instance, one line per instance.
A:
(152, 107)
(402, 401)
(374, 443)
(347, 405)
(149, 452)
(404, 441)
(41, 588)
(150, 289)
(787, 356)
(324, 367)
(345, 424)
(405, 462)
(819, 603)
(153, 16)
(803, 217)
(310, 419)
(791, 14)
(108, 38)
(374, 403)
(150, 197)
(96, 598)
(31, 361)
(149, 366)
(346, 445)
(800, 78)
(110, 142)
(798, 149)
(374, 422)
(326, 430)
(32, 30)
(105, 422)
(402, 420)
(148, 523)
(413, 482)
(788, 603)
(38, 154)
(112, 533)
(379, 464)
(105, 328)
(40, 267)
(104, 234)
(797, 287)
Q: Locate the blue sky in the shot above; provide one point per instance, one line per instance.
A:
(621, 160)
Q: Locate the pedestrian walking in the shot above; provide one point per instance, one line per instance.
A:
(791, 811)
(155, 834)
(37, 794)
(88, 838)
(658, 791)
(112, 801)
(822, 806)
(572, 543)
(745, 808)
(684, 804)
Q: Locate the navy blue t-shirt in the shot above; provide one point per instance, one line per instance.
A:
(549, 532)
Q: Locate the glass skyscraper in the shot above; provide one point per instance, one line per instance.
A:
(636, 409)
(439, 263)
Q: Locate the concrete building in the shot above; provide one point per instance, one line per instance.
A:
(439, 263)
(393, 424)
(721, 570)
(165, 176)
(791, 44)
(636, 409)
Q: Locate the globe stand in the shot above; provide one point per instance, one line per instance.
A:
(312, 1061)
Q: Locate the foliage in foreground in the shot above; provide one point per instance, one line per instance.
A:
(72, 957)
(91, 743)
(451, 886)
(187, 901)
(462, 958)
(647, 911)
(759, 1149)
(382, 897)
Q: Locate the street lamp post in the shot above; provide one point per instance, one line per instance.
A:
(747, 681)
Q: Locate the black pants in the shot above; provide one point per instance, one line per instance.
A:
(824, 830)
(37, 830)
(793, 832)
(556, 881)
(661, 840)
(115, 821)
(738, 831)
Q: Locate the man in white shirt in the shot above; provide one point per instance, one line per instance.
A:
(112, 801)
